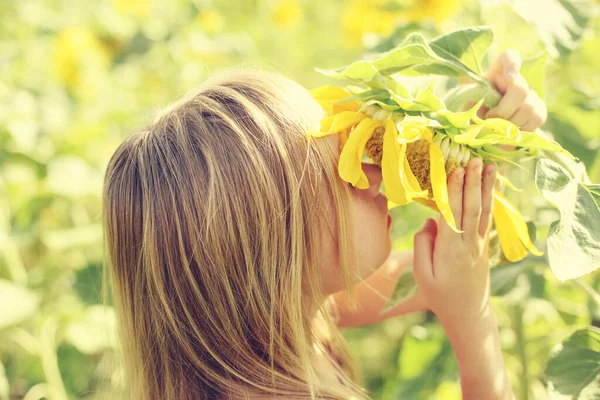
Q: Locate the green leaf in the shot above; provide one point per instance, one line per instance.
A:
(533, 70)
(573, 240)
(17, 303)
(573, 366)
(504, 278)
(405, 287)
(560, 24)
(360, 70)
(530, 140)
(415, 52)
(428, 98)
(465, 45)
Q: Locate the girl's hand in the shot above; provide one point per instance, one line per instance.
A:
(520, 104)
(451, 269)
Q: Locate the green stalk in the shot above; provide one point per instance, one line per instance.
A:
(517, 320)
(473, 92)
(56, 387)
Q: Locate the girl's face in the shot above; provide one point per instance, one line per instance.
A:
(369, 228)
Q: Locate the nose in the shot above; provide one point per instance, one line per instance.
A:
(373, 173)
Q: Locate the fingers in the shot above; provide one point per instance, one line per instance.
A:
(539, 113)
(487, 198)
(505, 69)
(423, 252)
(516, 94)
(472, 198)
(455, 198)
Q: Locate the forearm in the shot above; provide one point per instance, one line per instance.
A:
(477, 349)
(373, 294)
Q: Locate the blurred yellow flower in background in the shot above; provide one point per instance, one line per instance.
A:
(79, 58)
(138, 8)
(287, 14)
(437, 10)
(211, 20)
(363, 16)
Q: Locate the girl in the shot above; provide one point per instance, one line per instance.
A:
(236, 251)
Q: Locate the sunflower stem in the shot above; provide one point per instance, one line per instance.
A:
(517, 320)
(472, 92)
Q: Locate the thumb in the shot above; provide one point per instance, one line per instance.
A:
(423, 252)
(505, 69)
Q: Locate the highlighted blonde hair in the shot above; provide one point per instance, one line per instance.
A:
(212, 218)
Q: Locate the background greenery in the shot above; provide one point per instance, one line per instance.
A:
(77, 76)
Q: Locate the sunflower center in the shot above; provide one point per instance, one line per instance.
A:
(417, 154)
(374, 146)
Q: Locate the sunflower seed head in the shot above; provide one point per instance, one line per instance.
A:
(374, 146)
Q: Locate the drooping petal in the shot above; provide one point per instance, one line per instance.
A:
(512, 230)
(439, 186)
(338, 122)
(461, 119)
(390, 165)
(349, 166)
(409, 180)
(412, 128)
(328, 97)
(500, 128)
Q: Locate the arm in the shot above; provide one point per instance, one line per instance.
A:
(452, 270)
(373, 293)
(480, 362)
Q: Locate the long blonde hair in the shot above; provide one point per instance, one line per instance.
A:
(211, 221)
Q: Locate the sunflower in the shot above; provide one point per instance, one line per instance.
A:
(417, 143)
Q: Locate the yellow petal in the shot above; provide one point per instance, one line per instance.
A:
(328, 95)
(390, 165)
(500, 127)
(411, 128)
(350, 164)
(438, 185)
(409, 180)
(338, 122)
(512, 230)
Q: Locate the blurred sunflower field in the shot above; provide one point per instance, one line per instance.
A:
(78, 76)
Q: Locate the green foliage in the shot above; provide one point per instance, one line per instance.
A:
(572, 367)
(573, 240)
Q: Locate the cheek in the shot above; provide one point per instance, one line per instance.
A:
(371, 236)
(372, 243)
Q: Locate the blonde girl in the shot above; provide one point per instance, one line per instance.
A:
(235, 251)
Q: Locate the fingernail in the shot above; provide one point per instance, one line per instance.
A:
(511, 74)
(477, 164)
(460, 174)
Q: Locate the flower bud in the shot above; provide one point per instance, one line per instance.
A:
(451, 160)
(445, 146)
(371, 111)
(465, 156)
(381, 115)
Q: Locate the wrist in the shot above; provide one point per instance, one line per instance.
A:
(476, 345)
(468, 328)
